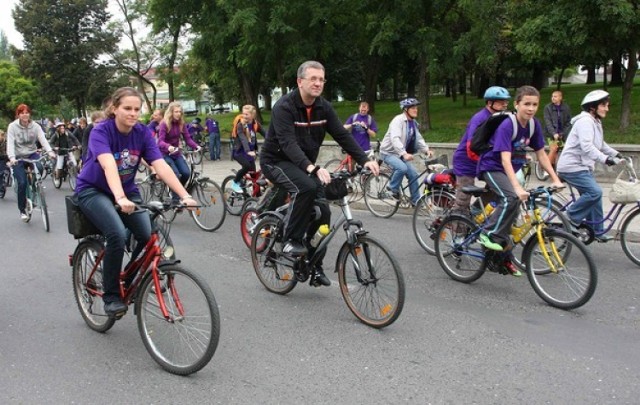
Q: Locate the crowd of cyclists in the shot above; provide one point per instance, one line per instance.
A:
(115, 143)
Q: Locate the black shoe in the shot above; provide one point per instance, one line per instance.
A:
(319, 278)
(294, 248)
(394, 194)
(115, 309)
(604, 238)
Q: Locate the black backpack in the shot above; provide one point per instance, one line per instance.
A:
(480, 140)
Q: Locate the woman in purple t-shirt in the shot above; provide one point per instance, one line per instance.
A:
(107, 181)
(498, 167)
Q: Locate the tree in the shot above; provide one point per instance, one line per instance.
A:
(4, 47)
(14, 89)
(63, 40)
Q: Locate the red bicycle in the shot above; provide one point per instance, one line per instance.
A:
(176, 311)
(254, 186)
(355, 184)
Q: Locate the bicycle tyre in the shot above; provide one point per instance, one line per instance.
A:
(458, 250)
(233, 200)
(333, 165)
(376, 197)
(428, 213)
(250, 203)
(44, 210)
(248, 221)
(73, 177)
(186, 342)
(376, 299)
(541, 174)
(575, 281)
(630, 237)
(266, 245)
(57, 181)
(89, 303)
(211, 213)
(197, 157)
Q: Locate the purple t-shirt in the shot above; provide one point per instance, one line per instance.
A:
(357, 130)
(212, 126)
(126, 150)
(501, 140)
(462, 164)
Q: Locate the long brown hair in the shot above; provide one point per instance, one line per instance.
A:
(168, 115)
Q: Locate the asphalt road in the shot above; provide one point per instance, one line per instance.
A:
(492, 342)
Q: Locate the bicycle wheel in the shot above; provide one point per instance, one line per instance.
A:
(371, 282)
(333, 165)
(554, 217)
(250, 203)
(73, 177)
(211, 213)
(458, 250)
(377, 198)
(541, 174)
(574, 280)
(266, 245)
(161, 225)
(57, 181)
(184, 341)
(87, 287)
(427, 215)
(233, 200)
(197, 157)
(248, 220)
(630, 237)
(44, 211)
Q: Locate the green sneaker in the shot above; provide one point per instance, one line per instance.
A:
(489, 244)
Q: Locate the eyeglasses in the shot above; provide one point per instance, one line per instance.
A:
(320, 80)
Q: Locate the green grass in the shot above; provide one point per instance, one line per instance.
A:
(449, 119)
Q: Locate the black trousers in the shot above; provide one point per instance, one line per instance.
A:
(247, 166)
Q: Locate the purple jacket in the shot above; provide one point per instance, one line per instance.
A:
(172, 138)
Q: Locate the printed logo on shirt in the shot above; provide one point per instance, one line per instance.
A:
(127, 162)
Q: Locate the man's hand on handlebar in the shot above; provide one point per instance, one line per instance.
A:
(324, 175)
(373, 166)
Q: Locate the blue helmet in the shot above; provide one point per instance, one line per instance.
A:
(497, 93)
(408, 102)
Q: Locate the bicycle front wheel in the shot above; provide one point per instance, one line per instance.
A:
(211, 213)
(87, 285)
(563, 280)
(233, 200)
(377, 198)
(44, 211)
(458, 250)
(428, 214)
(630, 237)
(73, 177)
(371, 282)
(266, 245)
(185, 340)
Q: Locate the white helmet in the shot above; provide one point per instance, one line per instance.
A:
(593, 99)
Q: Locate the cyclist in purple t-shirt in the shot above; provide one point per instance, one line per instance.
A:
(464, 167)
(107, 180)
(498, 167)
(362, 126)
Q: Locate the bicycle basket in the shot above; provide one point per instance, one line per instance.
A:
(78, 224)
(624, 191)
(336, 189)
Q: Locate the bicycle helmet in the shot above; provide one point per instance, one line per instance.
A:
(408, 102)
(59, 123)
(497, 93)
(593, 99)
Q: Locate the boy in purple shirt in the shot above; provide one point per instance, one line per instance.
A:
(464, 167)
(498, 167)
(362, 126)
(213, 129)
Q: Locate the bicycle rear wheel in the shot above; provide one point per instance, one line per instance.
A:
(574, 280)
(186, 340)
(266, 245)
(371, 282)
(630, 237)
(428, 214)
(377, 198)
(233, 200)
(458, 250)
(87, 287)
(211, 213)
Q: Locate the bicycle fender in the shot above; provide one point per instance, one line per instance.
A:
(271, 214)
(344, 249)
(168, 262)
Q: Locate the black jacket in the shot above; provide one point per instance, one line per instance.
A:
(293, 137)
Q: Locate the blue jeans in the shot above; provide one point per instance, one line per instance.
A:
(181, 170)
(20, 174)
(214, 145)
(100, 209)
(401, 169)
(589, 205)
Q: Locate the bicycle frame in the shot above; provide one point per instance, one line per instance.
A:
(428, 169)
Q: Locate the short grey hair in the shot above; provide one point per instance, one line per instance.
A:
(310, 64)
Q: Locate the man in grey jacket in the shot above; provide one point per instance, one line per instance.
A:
(584, 147)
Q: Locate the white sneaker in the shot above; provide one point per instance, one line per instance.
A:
(24, 217)
(236, 187)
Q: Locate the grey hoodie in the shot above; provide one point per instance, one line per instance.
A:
(585, 145)
(21, 141)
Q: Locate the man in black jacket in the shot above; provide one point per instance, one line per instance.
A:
(299, 121)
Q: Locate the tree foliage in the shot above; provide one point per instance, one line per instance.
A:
(14, 89)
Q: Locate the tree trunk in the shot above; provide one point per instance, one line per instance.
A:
(560, 76)
(538, 77)
(604, 75)
(371, 71)
(462, 83)
(616, 72)
(423, 95)
(591, 74)
(627, 86)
